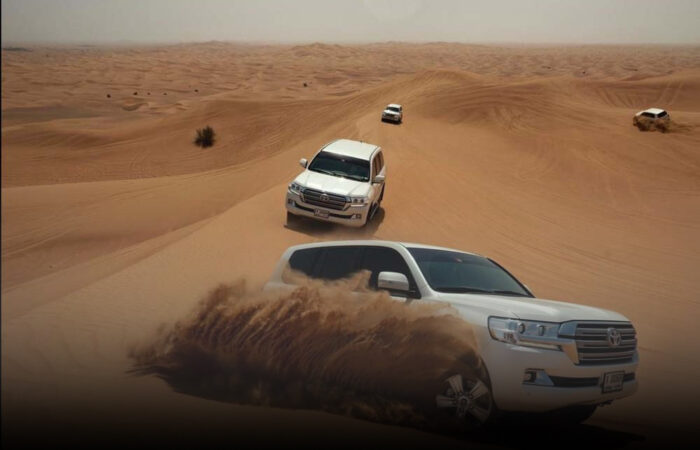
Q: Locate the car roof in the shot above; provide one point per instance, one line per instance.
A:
(654, 110)
(347, 147)
(375, 242)
(396, 105)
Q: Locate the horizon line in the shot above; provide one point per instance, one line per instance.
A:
(125, 42)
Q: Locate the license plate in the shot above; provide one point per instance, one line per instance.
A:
(321, 213)
(612, 381)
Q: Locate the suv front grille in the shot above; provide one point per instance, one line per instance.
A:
(324, 199)
(604, 342)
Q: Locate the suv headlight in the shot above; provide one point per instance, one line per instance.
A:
(527, 333)
(295, 188)
(357, 201)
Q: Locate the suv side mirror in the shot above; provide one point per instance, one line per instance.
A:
(303, 162)
(379, 179)
(393, 281)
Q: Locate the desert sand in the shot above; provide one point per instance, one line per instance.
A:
(114, 222)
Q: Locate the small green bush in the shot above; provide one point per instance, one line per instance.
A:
(205, 137)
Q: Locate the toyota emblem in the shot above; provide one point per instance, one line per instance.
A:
(324, 197)
(614, 337)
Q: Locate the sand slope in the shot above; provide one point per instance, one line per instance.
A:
(113, 222)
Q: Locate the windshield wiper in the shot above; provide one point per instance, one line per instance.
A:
(467, 289)
(327, 172)
(460, 289)
(507, 292)
(340, 174)
(356, 177)
(348, 176)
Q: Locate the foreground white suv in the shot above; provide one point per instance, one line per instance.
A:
(540, 355)
(343, 183)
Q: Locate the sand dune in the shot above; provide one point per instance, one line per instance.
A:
(113, 222)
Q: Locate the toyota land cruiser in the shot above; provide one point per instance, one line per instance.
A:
(540, 355)
(344, 183)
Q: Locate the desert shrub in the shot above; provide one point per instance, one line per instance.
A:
(205, 137)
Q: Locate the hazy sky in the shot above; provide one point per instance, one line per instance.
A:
(528, 21)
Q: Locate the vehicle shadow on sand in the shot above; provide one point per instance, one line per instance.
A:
(317, 228)
(508, 436)
(518, 436)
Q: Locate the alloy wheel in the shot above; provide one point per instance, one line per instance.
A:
(472, 400)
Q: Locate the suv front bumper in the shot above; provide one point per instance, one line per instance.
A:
(571, 384)
(352, 216)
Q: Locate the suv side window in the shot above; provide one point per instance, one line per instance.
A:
(338, 262)
(383, 259)
(304, 260)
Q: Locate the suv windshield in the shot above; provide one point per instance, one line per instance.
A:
(447, 271)
(393, 108)
(340, 166)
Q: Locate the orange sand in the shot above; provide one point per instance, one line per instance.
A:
(113, 222)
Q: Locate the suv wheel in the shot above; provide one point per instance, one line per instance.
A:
(372, 212)
(471, 401)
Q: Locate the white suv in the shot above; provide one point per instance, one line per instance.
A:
(344, 183)
(393, 112)
(654, 114)
(540, 355)
(652, 119)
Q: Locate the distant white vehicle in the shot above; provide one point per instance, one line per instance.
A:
(653, 114)
(539, 355)
(393, 113)
(343, 183)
